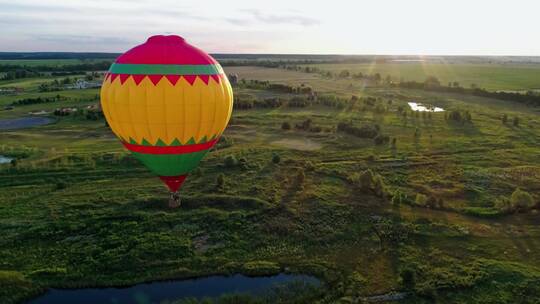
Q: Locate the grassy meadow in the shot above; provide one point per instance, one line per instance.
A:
(496, 76)
(431, 209)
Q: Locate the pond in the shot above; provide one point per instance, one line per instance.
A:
(24, 122)
(424, 107)
(157, 292)
(5, 159)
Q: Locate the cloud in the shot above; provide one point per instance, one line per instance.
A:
(284, 19)
(82, 39)
(257, 16)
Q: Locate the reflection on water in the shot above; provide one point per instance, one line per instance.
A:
(158, 292)
(23, 122)
(424, 107)
(5, 159)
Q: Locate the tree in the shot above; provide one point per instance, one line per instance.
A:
(432, 82)
(276, 158)
(344, 74)
(504, 118)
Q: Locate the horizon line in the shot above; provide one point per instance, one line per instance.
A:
(286, 54)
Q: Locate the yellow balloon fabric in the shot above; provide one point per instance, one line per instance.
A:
(165, 111)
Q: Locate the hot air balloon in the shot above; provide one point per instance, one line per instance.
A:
(168, 102)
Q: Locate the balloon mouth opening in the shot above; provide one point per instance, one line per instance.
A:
(173, 182)
(165, 39)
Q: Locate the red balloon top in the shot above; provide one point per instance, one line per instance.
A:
(161, 49)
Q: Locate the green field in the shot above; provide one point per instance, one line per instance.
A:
(49, 62)
(511, 77)
(77, 211)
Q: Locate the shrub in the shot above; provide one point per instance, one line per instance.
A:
(230, 161)
(60, 185)
(379, 188)
(408, 278)
(220, 181)
(365, 131)
(503, 205)
(276, 158)
(300, 177)
(521, 200)
(260, 268)
(243, 163)
(398, 198)
(286, 125)
(370, 182)
(421, 199)
(305, 125)
(515, 121)
(381, 139)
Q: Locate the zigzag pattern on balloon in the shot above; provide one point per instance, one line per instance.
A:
(155, 79)
(174, 143)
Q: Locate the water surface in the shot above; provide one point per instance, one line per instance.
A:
(5, 159)
(23, 122)
(157, 292)
(424, 107)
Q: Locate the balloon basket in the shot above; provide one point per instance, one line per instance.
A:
(174, 200)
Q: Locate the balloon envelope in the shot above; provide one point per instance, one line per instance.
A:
(168, 102)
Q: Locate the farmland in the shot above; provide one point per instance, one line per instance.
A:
(325, 176)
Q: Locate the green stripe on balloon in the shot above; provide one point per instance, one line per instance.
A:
(170, 164)
(165, 69)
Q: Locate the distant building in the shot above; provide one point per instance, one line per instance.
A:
(64, 111)
(10, 90)
(83, 84)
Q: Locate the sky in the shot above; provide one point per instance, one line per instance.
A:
(398, 27)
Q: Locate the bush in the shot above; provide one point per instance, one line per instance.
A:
(300, 177)
(521, 200)
(381, 139)
(60, 185)
(220, 181)
(276, 158)
(260, 268)
(230, 161)
(393, 144)
(370, 182)
(421, 199)
(515, 121)
(365, 131)
(286, 125)
(398, 198)
(408, 278)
